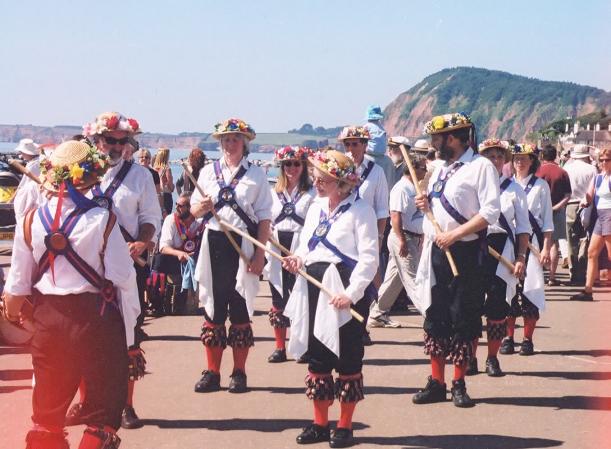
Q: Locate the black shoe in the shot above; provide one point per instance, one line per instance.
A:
(313, 433)
(209, 382)
(303, 359)
(238, 382)
(366, 340)
(527, 348)
(507, 346)
(278, 356)
(493, 369)
(73, 417)
(472, 367)
(341, 437)
(583, 296)
(434, 391)
(129, 419)
(459, 394)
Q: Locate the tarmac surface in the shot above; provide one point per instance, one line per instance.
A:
(560, 397)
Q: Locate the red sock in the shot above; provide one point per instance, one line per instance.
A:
(280, 335)
(130, 392)
(89, 441)
(321, 412)
(475, 342)
(459, 371)
(493, 347)
(529, 327)
(345, 414)
(239, 359)
(214, 354)
(438, 364)
(511, 326)
(82, 390)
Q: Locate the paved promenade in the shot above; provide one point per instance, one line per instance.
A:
(560, 397)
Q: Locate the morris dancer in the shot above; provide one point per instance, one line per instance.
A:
(239, 193)
(464, 199)
(68, 258)
(292, 196)
(339, 247)
(531, 298)
(509, 237)
(127, 190)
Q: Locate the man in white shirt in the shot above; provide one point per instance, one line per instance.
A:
(581, 172)
(464, 200)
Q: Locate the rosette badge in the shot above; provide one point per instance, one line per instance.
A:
(111, 121)
(234, 126)
(447, 122)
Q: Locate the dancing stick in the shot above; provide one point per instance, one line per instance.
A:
(214, 214)
(429, 212)
(23, 170)
(279, 245)
(494, 253)
(309, 278)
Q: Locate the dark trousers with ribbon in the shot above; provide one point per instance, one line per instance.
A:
(495, 307)
(73, 341)
(455, 311)
(322, 360)
(224, 262)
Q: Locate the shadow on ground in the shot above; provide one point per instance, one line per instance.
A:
(461, 442)
(601, 403)
(16, 374)
(256, 425)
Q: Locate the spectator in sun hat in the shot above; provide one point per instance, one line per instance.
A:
(377, 144)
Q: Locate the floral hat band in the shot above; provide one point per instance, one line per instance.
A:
(292, 153)
(75, 162)
(493, 143)
(232, 126)
(354, 132)
(448, 122)
(335, 164)
(111, 121)
(524, 148)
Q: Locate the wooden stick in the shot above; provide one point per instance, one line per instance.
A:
(494, 253)
(429, 213)
(214, 214)
(24, 170)
(309, 278)
(280, 246)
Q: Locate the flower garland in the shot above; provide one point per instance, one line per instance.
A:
(354, 132)
(524, 148)
(111, 121)
(94, 165)
(331, 166)
(447, 121)
(235, 125)
(288, 152)
(493, 143)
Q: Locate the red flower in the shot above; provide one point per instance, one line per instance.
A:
(133, 123)
(112, 122)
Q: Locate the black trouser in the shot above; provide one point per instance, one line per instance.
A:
(288, 279)
(72, 341)
(455, 311)
(351, 350)
(495, 307)
(224, 262)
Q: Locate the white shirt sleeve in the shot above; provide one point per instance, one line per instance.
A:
(118, 265)
(546, 208)
(23, 265)
(149, 210)
(381, 196)
(489, 193)
(262, 206)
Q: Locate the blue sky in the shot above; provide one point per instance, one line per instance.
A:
(184, 65)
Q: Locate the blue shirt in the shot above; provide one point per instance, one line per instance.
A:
(377, 140)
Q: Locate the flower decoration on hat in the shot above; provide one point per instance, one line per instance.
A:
(354, 132)
(292, 152)
(335, 164)
(111, 121)
(448, 122)
(234, 125)
(524, 148)
(493, 143)
(77, 162)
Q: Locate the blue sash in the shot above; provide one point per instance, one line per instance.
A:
(364, 176)
(104, 199)
(289, 209)
(537, 231)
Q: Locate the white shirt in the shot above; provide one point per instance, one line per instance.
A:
(514, 207)
(580, 174)
(374, 189)
(539, 202)
(473, 189)
(354, 233)
(29, 196)
(604, 195)
(135, 202)
(252, 194)
(170, 237)
(86, 239)
(402, 200)
(301, 208)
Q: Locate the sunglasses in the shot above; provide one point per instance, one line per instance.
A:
(605, 160)
(112, 141)
(317, 180)
(351, 144)
(183, 205)
(291, 164)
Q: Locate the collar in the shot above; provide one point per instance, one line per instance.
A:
(325, 204)
(243, 163)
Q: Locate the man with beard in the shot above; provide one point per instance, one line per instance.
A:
(128, 190)
(463, 196)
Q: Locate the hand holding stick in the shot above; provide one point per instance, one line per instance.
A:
(309, 278)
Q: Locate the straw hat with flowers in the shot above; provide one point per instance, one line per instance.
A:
(335, 164)
(234, 126)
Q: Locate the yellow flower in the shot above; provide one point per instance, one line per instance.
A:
(438, 122)
(76, 172)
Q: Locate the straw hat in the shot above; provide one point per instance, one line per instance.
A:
(580, 151)
(524, 148)
(27, 146)
(111, 121)
(396, 141)
(292, 153)
(421, 146)
(448, 122)
(234, 126)
(335, 164)
(495, 143)
(75, 162)
(354, 132)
